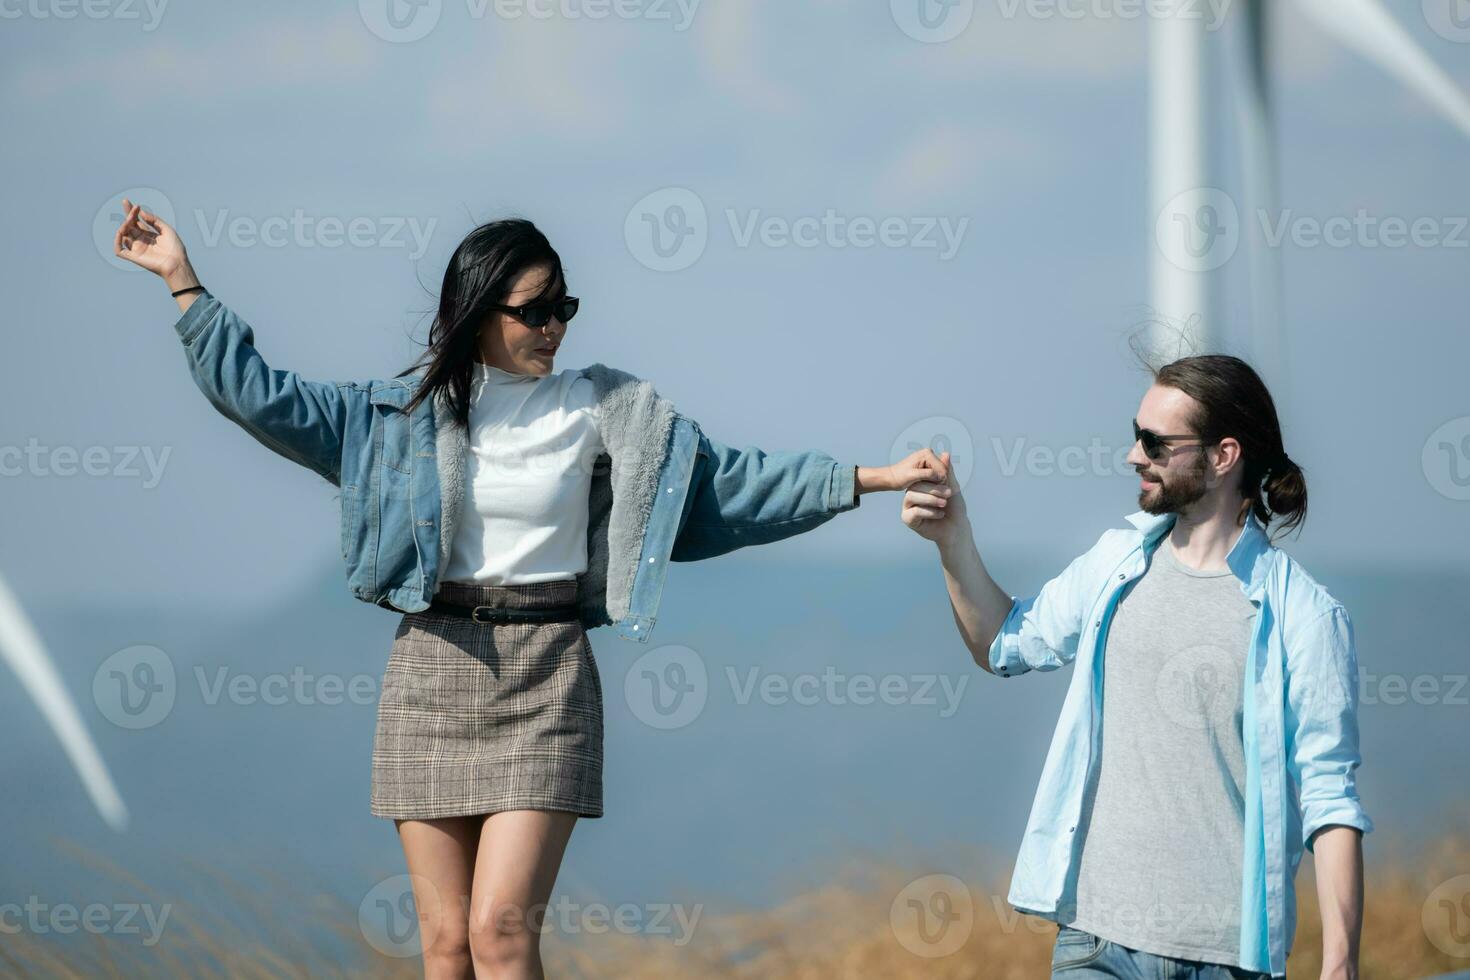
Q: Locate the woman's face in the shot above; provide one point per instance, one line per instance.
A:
(507, 343)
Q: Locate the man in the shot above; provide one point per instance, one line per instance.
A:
(1209, 732)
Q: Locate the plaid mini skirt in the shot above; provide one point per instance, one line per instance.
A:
(477, 718)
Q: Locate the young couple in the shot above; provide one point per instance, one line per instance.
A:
(505, 508)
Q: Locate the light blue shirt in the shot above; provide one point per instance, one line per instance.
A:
(1300, 721)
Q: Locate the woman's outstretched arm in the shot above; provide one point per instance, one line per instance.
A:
(747, 496)
(301, 420)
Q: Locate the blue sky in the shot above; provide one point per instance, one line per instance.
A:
(1025, 137)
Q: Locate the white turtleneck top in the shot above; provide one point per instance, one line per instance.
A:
(533, 442)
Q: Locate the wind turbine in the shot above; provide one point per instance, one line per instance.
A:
(21, 648)
(1197, 229)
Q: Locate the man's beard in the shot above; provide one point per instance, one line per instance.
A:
(1172, 496)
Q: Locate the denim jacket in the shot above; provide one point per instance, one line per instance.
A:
(662, 492)
(1299, 722)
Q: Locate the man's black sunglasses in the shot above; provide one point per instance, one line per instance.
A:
(540, 314)
(1154, 445)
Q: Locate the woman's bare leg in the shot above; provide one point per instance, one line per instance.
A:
(520, 853)
(441, 859)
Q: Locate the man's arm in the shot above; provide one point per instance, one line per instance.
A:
(1338, 858)
(1322, 717)
(980, 606)
(1005, 635)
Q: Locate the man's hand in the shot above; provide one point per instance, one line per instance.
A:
(934, 508)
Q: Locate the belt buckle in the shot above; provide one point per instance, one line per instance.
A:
(494, 615)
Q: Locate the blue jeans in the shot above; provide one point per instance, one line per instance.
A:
(1080, 955)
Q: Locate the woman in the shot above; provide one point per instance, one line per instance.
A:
(554, 503)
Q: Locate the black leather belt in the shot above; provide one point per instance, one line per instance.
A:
(492, 615)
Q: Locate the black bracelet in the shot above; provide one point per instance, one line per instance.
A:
(185, 290)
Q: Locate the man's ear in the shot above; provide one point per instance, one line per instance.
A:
(1230, 447)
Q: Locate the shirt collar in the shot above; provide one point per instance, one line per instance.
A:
(1249, 558)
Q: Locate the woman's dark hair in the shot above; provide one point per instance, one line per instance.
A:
(481, 273)
(1233, 401)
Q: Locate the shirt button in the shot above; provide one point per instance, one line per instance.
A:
(1122, 576)
(1071, 830)
(650, 561)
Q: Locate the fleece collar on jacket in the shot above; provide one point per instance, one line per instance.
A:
(635, 422)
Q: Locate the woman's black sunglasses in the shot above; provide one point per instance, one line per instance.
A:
(1154, 445)
(540, 314)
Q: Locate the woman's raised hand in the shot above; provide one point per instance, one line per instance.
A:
(145, 240)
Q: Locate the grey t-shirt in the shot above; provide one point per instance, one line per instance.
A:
(1160, 867)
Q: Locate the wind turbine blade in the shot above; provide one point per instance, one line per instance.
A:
(1368, 28)
(1178, 176)
(21, 648)
(1259, 169)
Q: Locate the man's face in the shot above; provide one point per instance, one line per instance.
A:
(1180, 475)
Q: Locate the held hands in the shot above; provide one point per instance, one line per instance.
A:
(146, 241)
(933, 506)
